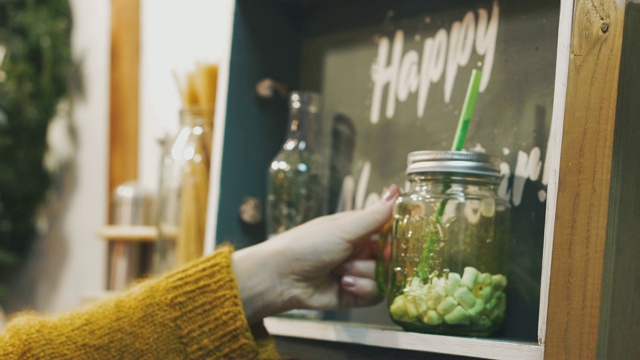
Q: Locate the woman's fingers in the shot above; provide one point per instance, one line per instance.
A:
(359, 291)
(357, 225)
(357, 268)
(365, 249)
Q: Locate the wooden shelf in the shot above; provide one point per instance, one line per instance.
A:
(128, 233)
(393, 337)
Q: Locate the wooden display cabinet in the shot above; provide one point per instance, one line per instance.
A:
(588, 249)
(585, 252)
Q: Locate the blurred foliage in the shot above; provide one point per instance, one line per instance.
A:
(34, 76)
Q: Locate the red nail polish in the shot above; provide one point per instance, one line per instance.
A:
(391, 193)
(348, 282)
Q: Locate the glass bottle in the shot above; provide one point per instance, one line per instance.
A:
(183, 191)
(448, 268)
(297, 178)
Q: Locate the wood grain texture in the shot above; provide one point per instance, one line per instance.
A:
(584, 178)
(620, 315)
(123, 138)
(123, 107)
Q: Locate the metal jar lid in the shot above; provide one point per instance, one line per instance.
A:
(429, 161)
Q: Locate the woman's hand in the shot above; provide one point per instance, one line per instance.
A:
(327, 263)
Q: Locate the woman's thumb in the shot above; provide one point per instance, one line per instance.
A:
(370, 219)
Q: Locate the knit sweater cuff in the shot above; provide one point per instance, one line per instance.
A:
(208, 309)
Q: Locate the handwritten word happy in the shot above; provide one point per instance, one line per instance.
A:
(442, 54)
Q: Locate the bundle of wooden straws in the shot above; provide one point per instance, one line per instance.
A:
(198, 95)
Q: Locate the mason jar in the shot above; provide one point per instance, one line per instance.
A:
(448, 262)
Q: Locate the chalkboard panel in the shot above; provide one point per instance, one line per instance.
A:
(397, 84)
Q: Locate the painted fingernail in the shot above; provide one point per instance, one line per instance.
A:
(348, 282)
(391, 193)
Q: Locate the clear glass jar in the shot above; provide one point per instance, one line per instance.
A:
(183, 191)
(448, 266)
(297, 178)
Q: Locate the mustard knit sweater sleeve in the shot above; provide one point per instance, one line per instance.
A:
(192, 313)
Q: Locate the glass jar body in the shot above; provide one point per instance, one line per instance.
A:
(448, 265)
(183, 192)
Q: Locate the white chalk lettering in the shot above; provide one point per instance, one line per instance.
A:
(357, 198)
(345, 201)
(445, 52)
(505, 174)
(527, 168)
(363, 184)
(460, 47)
(384, 74)
(408, 75)
(434, 54)
(486, 36)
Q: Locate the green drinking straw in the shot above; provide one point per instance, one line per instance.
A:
(433, 237)
(463, 124)
(467, 110)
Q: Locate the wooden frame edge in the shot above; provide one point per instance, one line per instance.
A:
(124, 93)
(553, 156)
(123, 103)
(584, 179)
(210, 240)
